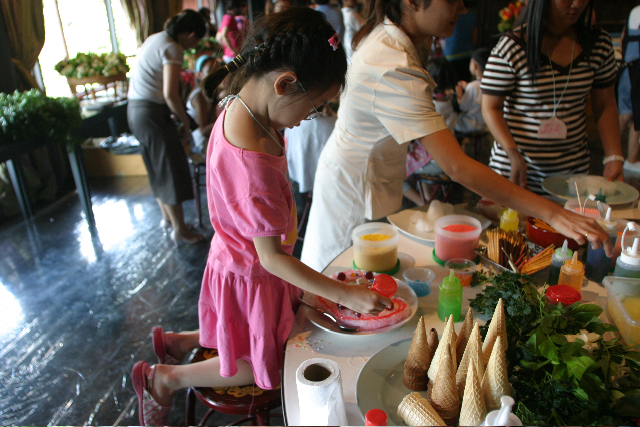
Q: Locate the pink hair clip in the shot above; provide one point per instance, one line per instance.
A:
(334, 41)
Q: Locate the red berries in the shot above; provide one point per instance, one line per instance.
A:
(341, 276)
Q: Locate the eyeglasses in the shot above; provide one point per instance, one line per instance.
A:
(312, 114)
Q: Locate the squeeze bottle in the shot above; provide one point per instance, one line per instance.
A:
(503, 416)
(597, 266)
(509, 220)
(628, 263)
(450, 297)
(557, 261)
(572, 273)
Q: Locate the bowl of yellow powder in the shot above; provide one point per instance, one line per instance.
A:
(375, 246)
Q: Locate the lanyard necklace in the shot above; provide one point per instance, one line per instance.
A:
(555, 105)
(227, 100)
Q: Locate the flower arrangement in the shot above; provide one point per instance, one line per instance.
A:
(28, 116)
(93, 64)
(508, 16)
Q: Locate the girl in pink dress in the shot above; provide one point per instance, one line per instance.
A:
(290, 65)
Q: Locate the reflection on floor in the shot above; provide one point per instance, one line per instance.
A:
(76, 312)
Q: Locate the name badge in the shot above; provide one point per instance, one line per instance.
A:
(552, 128)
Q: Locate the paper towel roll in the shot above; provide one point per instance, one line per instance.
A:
(320, 393)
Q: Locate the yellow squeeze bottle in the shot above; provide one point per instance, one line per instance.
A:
(509, 220)
(572, 273)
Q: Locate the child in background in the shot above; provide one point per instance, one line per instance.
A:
(289, 67)
(469, 95)
(443, 74)
(199, 109)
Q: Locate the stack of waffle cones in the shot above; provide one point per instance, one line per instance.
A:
(472, 353)
(444, 397)
(448, 338)
(463, 336)
(495, 383)
(474, 410)
(417, 411)
(498, 327)
(433, 340)
(417, 364)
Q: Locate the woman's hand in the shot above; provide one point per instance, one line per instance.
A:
(362, 300)
(582, 229)
(613, 171)
(518, 167)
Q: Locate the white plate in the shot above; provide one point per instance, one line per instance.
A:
(559, 186)
(404, 291)
(379, 383)
(402, 222)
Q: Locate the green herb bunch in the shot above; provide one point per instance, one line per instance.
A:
(93, 64)
(28, 116)
(557, 381)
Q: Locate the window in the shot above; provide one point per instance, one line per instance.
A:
(76, 26)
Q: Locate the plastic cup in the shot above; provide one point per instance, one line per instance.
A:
(462, 268)
(375, 246)
(419, 279)
(451, 243)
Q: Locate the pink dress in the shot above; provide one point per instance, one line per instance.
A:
(246, 312)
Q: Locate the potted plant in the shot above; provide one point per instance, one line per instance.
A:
(30, 116)
(90, 68)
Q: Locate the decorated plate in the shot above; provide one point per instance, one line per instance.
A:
(559, 186)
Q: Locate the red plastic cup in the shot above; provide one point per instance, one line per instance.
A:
(375, 417)
(566, 295)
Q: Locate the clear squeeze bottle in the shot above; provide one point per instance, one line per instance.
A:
(509, 220)
(450, 297)
(557, 261)
(597, 266)
(572, 273)
(628, 263)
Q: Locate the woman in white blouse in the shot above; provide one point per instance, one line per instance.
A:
(387, 103)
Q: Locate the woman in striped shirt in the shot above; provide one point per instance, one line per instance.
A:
(535, 89)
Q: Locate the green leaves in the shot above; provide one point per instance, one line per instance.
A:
(557, 380)
(27, 116)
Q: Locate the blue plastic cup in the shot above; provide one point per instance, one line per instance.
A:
(420, 280)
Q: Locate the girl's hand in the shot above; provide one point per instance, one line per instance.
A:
(363, 300)
(582, 229)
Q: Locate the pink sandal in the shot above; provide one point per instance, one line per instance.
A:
(150, 412)
(160, 342)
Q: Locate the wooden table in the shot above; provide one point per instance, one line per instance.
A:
(352, 352)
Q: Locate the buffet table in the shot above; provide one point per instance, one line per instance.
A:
(308, 341)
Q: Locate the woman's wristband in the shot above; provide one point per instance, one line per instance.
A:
(612, 158)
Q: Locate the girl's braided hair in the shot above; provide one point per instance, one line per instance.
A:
(297, 40)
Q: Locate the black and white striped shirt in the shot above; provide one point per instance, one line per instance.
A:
(527, 104)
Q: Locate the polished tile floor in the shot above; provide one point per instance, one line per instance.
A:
(76, 311)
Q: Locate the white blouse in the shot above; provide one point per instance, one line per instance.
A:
(387, 103)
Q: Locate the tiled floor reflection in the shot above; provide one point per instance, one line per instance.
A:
(76, 312)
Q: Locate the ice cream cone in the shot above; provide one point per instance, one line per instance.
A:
(421, 413)
(448, 337)
(463, 336)
(444, 397)
(473, 353)
(498, 327)
(495, 383)
(473, 410)
(433, 340)
(417, 364)
(406, 404)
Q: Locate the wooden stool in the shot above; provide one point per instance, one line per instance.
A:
(198, 164)
(251, 401)
(438, 182)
